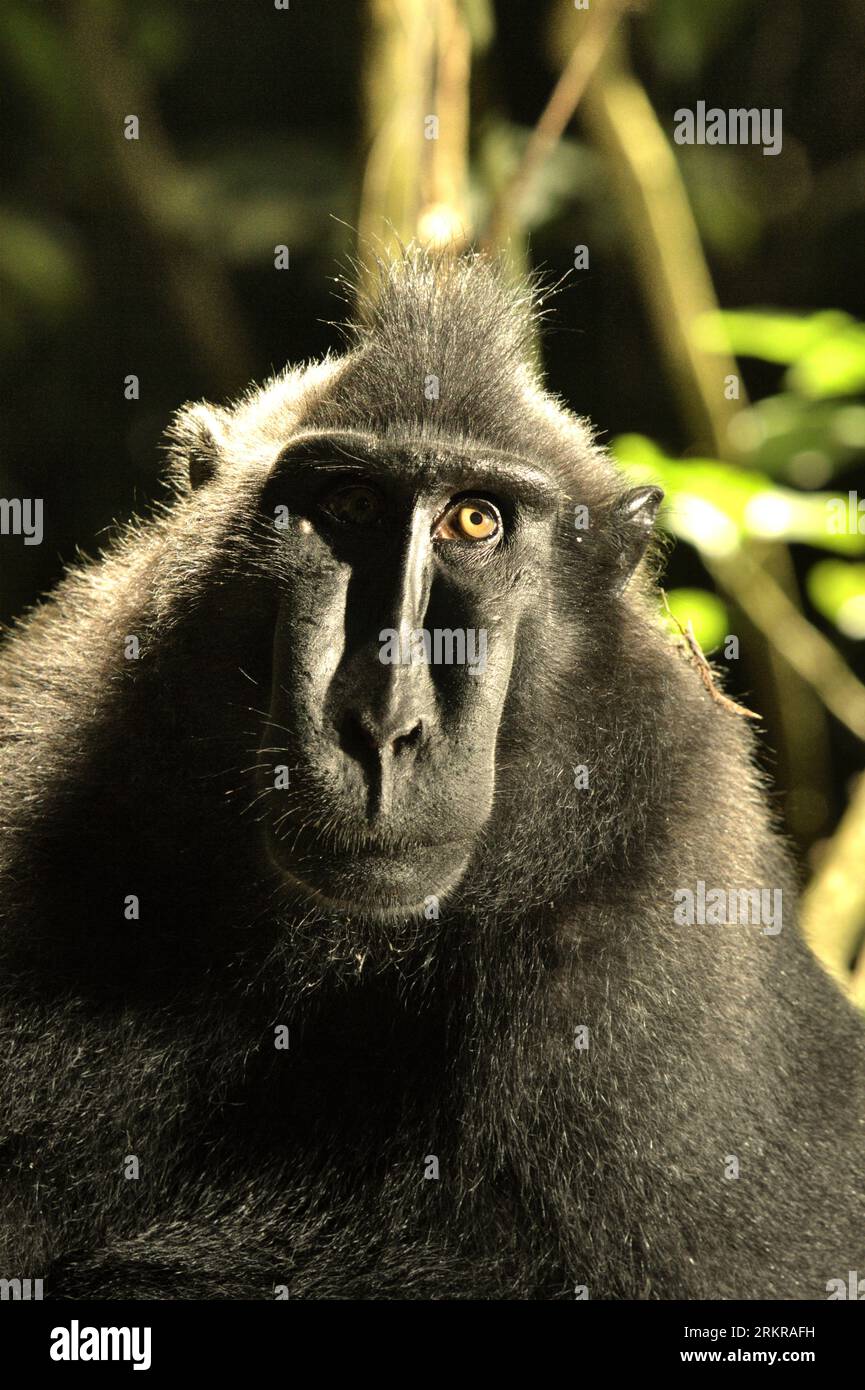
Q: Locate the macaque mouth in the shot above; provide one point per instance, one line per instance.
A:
(374, 875)
(333, 840)
(379, 852)
(385, 850)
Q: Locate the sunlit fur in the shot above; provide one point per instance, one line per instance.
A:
(409, 1036)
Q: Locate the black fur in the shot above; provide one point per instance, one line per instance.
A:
(409, 1037)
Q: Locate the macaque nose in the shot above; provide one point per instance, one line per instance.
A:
(385, 737)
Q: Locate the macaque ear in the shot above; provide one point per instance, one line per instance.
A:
(195, 437)
(635, 517)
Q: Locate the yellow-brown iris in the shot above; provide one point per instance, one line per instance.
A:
(469, 520)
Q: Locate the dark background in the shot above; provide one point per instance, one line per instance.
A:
(264, 108)
(257, 134)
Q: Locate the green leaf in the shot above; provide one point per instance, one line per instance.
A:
(834, 366)
(825, 351)
(715, 505)
(837, 590)
(800, 441)
(767, 334)
(704, 611)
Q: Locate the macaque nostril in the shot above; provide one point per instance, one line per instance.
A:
(356, 738)
(408, 740)
(362, 734)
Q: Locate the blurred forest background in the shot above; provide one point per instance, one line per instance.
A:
(711, 325)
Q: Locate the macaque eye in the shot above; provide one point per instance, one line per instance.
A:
(354, 505)
(470, 519)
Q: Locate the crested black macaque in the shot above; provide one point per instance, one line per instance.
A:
(363, 840)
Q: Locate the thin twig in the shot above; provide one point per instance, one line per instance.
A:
(704, 670)
(675, 280)
(801, 645)
(600, 21)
